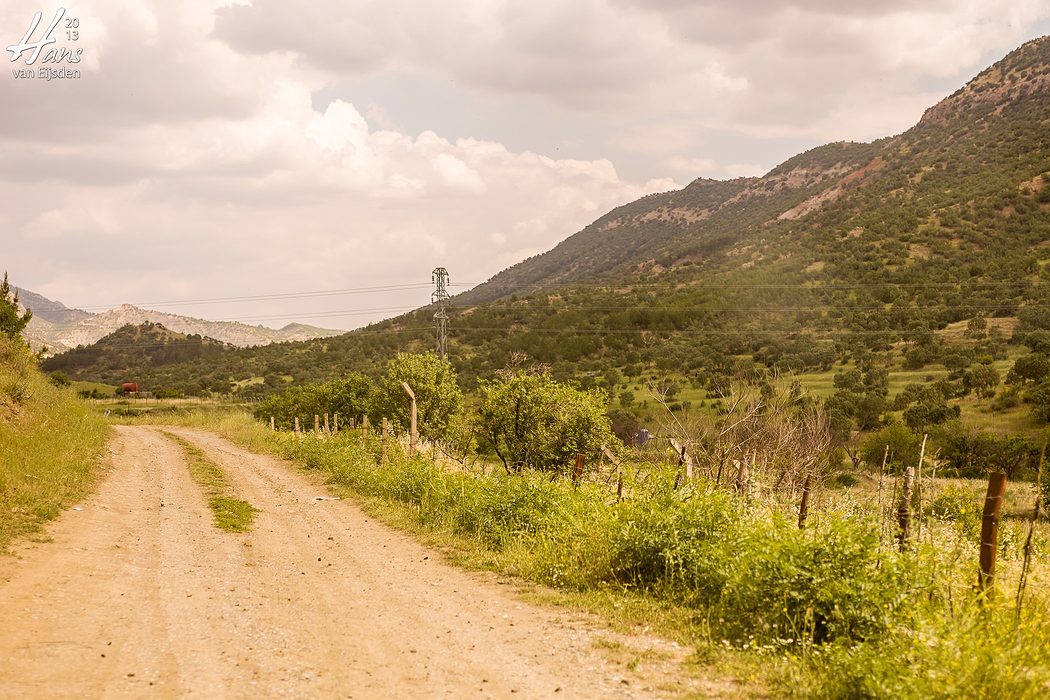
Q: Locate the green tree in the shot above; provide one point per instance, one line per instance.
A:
(349, 397)
(929, 411)
(1034, 367)
(530, 421)
(438, 396)
(983, 380)
(625, 425)
(903, 443)
(12, 322)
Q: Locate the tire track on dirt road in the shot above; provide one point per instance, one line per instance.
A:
(139, 594)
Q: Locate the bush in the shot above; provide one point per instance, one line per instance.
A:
(531, 421)
(349, 397)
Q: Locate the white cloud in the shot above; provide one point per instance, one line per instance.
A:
(272, 195)
(192, 153)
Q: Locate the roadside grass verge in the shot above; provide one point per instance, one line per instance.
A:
(231, 514)
(51, 445)
(832, 611)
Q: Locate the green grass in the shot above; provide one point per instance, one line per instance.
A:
(50, 446)
(830, 611)
(231, 514)
(106, 389)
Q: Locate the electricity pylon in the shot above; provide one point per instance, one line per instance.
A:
(441, 297)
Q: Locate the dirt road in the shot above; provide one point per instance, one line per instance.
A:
(138, 594)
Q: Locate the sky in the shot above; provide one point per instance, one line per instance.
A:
(206, 154)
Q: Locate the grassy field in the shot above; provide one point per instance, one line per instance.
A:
(50, 446)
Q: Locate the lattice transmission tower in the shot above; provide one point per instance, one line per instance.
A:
(441, 297)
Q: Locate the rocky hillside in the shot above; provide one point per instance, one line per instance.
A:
(964, 163)
(60, 328)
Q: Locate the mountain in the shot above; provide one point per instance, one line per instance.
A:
(970, 156)
(131, 352)
(53, 312)
(60, 328)
(849, 250)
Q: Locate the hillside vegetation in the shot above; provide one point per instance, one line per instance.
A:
(50, 444)
(124, 354)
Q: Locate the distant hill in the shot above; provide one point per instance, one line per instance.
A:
(847, 250)
(60, 328)
(132, 352)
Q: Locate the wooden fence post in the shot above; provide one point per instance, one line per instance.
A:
(326, 423)
(317, 424)
(918, 483)
(335, 422)
(351, 426)
(684, 460)
(577, 470)
(297, 426)
(878, 498)
(414, 435)
(993, 503)
(904, 510)
(273, 427)
(382, 449)
(364, 425)
(803, 507)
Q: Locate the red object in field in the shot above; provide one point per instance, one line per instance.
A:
(129, 388)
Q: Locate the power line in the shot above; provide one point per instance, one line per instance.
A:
(682, 286)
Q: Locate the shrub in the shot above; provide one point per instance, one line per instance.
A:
(531, 421)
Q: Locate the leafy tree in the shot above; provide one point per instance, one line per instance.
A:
(349, 396)
(868, 411)
(438, 396)
(903, 443)
(530, 421)
(982, 380)
(59, 378)
(929, 411)
(976, 327)
(971, 453)
(1034, 367)
(625, 425)
(851, 380)
(12, 323)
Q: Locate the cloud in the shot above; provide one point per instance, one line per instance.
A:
(757, 64)
(244, 187)
(194, 156)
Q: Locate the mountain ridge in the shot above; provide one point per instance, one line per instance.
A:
(58, 327)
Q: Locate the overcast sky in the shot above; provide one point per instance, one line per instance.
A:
(231, 149)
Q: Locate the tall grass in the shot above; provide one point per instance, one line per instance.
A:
(831, 611)
(50, 445)
(838, 612)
